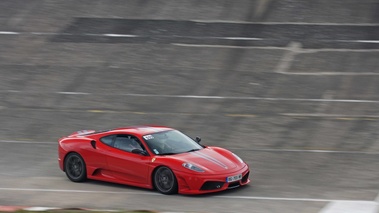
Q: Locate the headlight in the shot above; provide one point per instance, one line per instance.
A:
(192, 167)
(238, 158)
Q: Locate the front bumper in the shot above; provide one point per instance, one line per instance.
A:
(201, 184)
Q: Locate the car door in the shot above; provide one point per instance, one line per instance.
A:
(96, 155)
(124, 164)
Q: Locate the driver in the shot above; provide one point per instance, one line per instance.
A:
(134, 144)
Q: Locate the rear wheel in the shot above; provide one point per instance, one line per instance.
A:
(165, 181)
(75, 167)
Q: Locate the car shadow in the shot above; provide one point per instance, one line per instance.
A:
(228, 192)
(117, 185)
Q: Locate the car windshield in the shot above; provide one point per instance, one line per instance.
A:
(170, 142)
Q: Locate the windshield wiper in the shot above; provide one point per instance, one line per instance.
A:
(168, 153)
(192, 150)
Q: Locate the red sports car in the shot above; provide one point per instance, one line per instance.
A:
(151, 157)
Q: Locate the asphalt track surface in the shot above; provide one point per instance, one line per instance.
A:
(291, 86)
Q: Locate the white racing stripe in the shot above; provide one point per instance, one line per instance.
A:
(209, 158)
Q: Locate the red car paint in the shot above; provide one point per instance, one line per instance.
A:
(106, 163)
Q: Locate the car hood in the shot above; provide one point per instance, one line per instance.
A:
(208, 159)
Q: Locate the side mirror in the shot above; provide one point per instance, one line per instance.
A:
(139, 151)
(197, 139)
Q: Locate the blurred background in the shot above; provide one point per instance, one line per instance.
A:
(291, 86)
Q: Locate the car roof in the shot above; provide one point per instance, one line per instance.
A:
(141, 130)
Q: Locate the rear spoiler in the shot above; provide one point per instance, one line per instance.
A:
(82, 132)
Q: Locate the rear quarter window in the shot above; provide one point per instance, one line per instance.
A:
(107, 140)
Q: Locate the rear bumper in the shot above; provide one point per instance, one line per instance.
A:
(201, 184)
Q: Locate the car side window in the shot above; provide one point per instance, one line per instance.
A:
(107, 140)
(127, 143)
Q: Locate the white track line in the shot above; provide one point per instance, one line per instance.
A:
(238, 149)
(8, 33)
(331, 73)
(201, 37)
(295, 48)
(286, 23)
(136, 36)
(341, 116)
(211, 97)
(28, 142)
(307, 151)
(158, 194)
(74, 93)
(254, 98)
(77, 191)
(229, 46)
(40, 209)
(68, 34)
(240, 38)
(274, 48)
(285, 199)
(120, 35)
(350, 207)
(360, 41)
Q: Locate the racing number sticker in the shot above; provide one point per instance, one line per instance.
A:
(148, 137)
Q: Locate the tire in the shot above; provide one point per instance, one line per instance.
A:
(165, 181)
(75, 167)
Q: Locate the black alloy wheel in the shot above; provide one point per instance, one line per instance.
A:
(165, 181)
(75, 167)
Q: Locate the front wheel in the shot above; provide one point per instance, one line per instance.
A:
(75, 167)
(165, 181)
